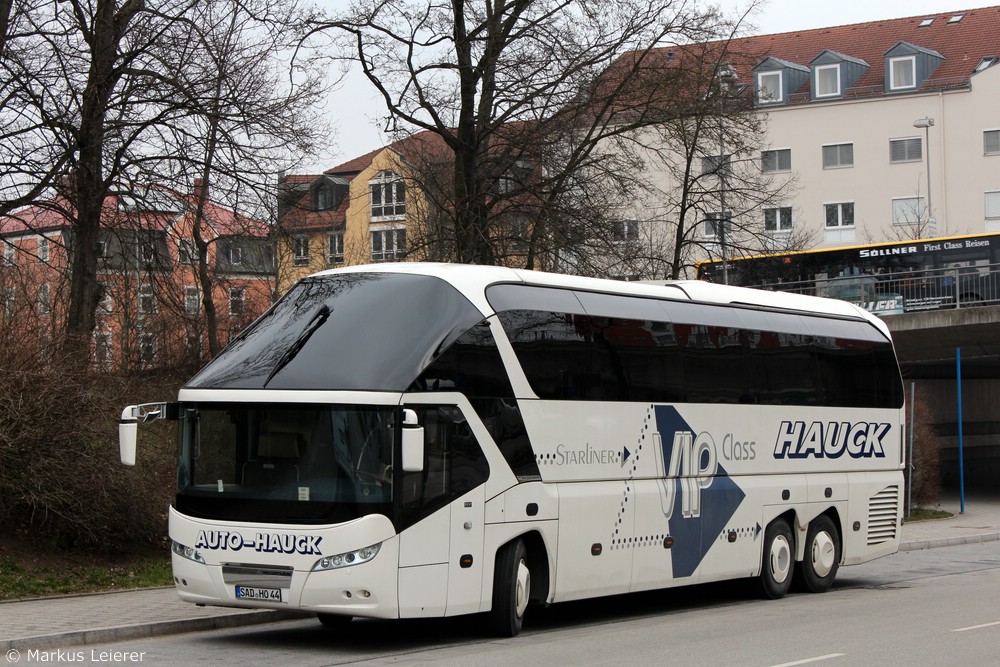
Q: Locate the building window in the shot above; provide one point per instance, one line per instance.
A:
(902, 73)
(908, 210)
(147, 300)
(9, 253)
(335, 248)
(388, 245)
(906, 150)
(626, 231)
(236, 302)
(104, 304)
(235, 255)
(778, 219)
(44, 299)
(769, 87)
(102, 349)
(993, 205)
(991, 142)
(714, 225)
(300, 250)
(43, 249)
(147, 349)
(147, 251)
(715, 164)
(9, 301)
(192, 300)
(323, 198)
(836, 156)
(827, 80)
(388, 196)
(840, 214)
(778, 160)
(187, 252)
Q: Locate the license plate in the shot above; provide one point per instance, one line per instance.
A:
(255, 593)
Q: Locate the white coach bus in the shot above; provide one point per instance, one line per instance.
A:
(416, 440)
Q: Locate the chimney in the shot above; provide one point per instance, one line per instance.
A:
(199, 186)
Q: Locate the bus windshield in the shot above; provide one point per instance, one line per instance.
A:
(290, 463)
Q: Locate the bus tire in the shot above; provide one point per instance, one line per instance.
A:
(822, 555)
(511, 589)
(334, 621)
(778, 560)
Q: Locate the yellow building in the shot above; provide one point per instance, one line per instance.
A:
(359, 212)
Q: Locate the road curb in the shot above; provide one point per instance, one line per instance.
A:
(949, 541)
(147, 630)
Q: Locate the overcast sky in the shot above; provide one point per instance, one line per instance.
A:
(355, 111)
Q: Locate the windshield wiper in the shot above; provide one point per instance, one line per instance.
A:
(315, 323)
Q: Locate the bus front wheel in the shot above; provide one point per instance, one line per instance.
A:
(822, 557)
(778, 560)
(511, 589)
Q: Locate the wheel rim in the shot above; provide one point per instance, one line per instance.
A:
(823, 554)
(780, 558)
(523, 589)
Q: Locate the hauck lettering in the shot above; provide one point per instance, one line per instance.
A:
(284, 543)
(799, 440)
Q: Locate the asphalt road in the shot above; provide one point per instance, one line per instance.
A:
(937, 606)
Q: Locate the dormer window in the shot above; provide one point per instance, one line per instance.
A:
(902, 73)
(769, 87)
(828, 80)
(908, 66)
(323, 198)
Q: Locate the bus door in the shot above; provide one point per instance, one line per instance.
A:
(442, 515)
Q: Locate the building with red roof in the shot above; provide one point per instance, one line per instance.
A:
(881, 131)
(152, 307)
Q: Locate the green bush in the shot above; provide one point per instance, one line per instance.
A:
(61, 481)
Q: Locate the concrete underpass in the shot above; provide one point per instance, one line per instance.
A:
(926, 344)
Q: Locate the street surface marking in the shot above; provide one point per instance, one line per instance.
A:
(808, 660)
(976, 627)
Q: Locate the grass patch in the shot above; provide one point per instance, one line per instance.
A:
(18, 581)
(923, 514)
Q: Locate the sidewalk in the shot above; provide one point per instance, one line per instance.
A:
(47, 623)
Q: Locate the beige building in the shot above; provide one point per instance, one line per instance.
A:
(359, 212)
(882, 131)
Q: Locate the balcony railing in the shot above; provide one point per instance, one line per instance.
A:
(906, 292)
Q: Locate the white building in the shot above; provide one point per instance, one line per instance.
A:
(889, 129)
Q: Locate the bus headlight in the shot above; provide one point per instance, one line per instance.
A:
(347, 559)
(186, 552)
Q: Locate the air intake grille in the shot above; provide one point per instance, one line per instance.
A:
(883, 512)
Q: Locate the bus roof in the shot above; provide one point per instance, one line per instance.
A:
(472, 281)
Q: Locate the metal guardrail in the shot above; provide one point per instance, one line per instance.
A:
(906, 292)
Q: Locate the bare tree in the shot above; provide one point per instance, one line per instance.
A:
(122, 93)
(520, 96)
(236, 123)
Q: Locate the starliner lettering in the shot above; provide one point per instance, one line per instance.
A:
(263, 542)
(587, 455)
(798, 440)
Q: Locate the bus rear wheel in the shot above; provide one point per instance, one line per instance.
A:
(778, 561)
(822, 556)
(511, 589)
